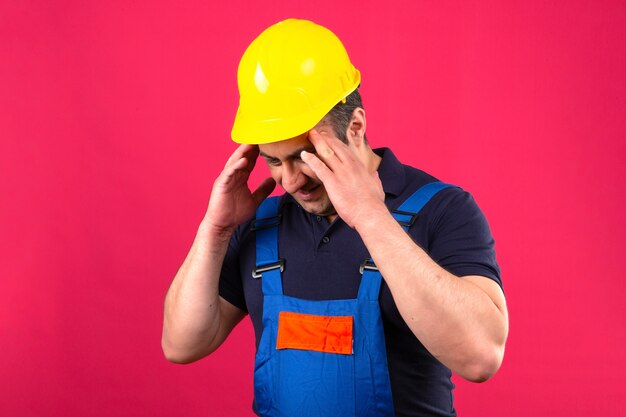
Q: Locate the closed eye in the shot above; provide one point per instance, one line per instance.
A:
(294, 156)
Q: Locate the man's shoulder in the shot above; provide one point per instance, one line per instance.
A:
(452, 227)
(401, 180)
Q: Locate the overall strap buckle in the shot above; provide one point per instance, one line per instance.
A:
(266, 222)
(258, 270)
(405, 218)
(367, 265)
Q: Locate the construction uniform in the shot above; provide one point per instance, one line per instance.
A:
(322, 262)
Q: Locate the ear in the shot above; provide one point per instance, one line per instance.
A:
(356, 128)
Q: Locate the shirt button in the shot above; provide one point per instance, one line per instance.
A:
(319, 218)
(325, 239)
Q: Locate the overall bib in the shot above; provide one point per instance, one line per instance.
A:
(322, 358)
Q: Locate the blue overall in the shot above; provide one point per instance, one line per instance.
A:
(308, 383)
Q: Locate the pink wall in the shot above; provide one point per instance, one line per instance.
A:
(115, 117)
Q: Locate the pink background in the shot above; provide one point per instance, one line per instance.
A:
(115, 118)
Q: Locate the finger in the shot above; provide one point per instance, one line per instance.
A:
(233, 168)
(320, 169)
(323, 150)
(249, 151)
(263, 190)
(237, 154)
(330, 146)
(251, 156)
(237, 171)
(239, 165)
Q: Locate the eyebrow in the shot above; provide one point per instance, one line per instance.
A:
(292, 155)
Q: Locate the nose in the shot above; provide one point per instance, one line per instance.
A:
(291, 178)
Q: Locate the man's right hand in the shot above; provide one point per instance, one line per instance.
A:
(197, 319)
(232, 202)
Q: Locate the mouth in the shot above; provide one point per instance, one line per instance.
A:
(310, 193)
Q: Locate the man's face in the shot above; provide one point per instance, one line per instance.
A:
(296, 178)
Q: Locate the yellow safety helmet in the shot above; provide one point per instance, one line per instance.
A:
(289, 78)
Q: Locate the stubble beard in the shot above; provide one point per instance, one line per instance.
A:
(320, 207)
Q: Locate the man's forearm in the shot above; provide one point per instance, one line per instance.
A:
(193, 322)
(462, 322)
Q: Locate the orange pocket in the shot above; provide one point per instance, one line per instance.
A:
(331, 334)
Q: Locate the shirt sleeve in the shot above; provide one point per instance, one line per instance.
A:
(460, 239)
(231, 287)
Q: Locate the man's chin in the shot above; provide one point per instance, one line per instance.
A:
(319, 208)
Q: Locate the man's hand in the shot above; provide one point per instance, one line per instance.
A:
(462, 322)
(232, 202)
(354, 192)
(197, 319)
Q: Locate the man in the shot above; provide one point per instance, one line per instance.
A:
(337, 333)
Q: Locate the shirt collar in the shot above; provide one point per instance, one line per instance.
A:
(390, 172)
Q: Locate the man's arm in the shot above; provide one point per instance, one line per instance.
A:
(196, 319)
(463, 322)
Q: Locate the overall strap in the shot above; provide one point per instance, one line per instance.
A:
(370, 283)
(406, 215)
(268, 265)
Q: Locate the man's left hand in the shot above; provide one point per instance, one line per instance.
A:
(356, 193)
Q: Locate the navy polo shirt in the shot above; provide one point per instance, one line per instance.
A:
(322, 263)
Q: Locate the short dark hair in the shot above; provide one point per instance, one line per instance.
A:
(339, 116)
